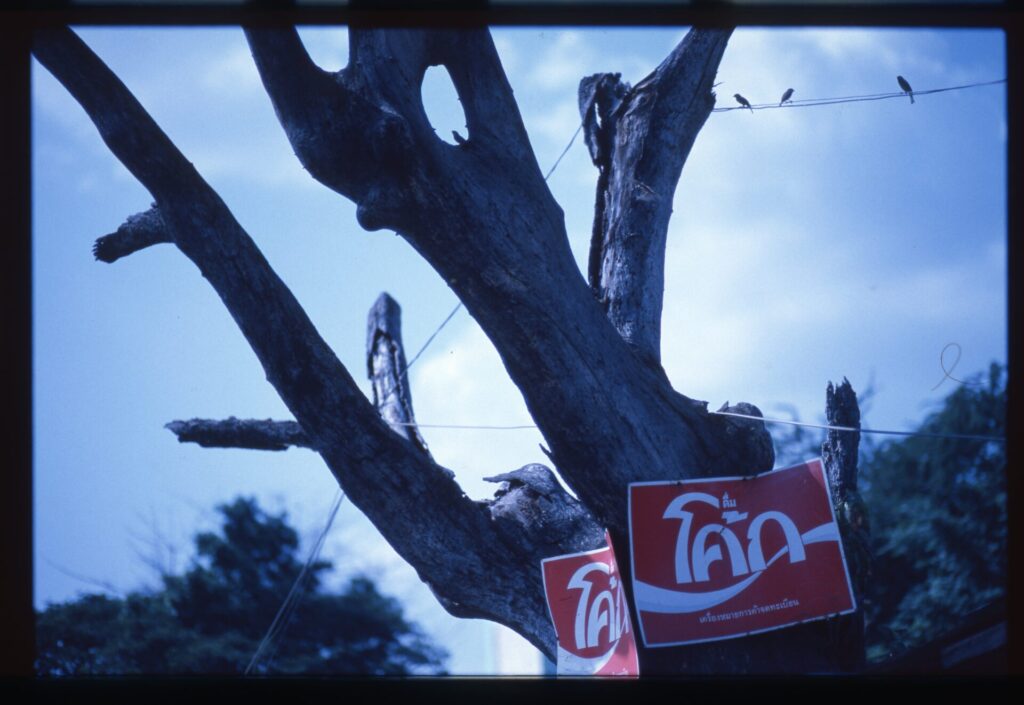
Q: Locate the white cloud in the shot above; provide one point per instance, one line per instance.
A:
(557, 123)
(52, 102)
(560, 67)
(511, 57)
(465, 383)
(232, 74)
(897, 51)
(819, 63)
(270, 165)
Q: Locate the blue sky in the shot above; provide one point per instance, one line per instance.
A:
(807, 244)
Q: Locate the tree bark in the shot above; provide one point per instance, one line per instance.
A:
(839, 456)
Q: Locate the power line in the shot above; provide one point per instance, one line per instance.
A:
(459, 304)
(809, 102)
(431, 339)
(291, 601)
(564, 152)
(956, 436)
(999, 439)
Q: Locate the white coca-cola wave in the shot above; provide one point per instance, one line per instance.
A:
(570, 664)
(651, 598)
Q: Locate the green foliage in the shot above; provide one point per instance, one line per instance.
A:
(926, 535)
(938, 520)
(212, 618)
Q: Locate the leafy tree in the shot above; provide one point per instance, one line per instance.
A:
(212, 618)
(937, 509)
(939, 520)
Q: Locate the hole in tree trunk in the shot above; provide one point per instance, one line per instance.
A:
(442, 106)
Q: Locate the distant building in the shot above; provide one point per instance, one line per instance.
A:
(515, 656)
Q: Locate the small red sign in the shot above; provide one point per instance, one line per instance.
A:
(591, 617)
(725, 557)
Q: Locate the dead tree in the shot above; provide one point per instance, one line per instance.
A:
(585, 355)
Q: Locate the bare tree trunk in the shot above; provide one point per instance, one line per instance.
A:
(481, 213)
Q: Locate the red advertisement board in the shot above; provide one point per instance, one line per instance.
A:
(724, 557)
(588, 608)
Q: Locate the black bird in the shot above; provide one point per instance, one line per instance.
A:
(786, 97)
(906, 87)
(742, 101)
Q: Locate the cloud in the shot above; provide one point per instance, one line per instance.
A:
(270, 164)
(51, 103)
(562, 64)
(232, 74)
(825, 62)
(557, 123)
(465, 383)
(897, 51)
(511, 57)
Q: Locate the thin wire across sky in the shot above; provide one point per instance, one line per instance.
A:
(809, 102)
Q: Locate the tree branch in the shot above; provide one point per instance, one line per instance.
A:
(386, 367)
(639, 139)
(252, 434)
(385, 361)
(138, 232)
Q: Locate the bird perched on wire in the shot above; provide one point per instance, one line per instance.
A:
(906, 87)
(786, 97)
(742, 101)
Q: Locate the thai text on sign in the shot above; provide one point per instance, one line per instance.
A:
(724, 557)
(589, 611)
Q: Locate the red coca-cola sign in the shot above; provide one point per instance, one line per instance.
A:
(724, 557)
(591, 617)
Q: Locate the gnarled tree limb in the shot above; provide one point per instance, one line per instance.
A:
(639, 139)
(482, 215)
(253, 434)
(387, 369)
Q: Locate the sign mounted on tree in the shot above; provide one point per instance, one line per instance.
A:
(591, 617)
(720, 558)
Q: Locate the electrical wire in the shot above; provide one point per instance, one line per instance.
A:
(459, 304)
(957, 436)
(287, 609)
(810, 102)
